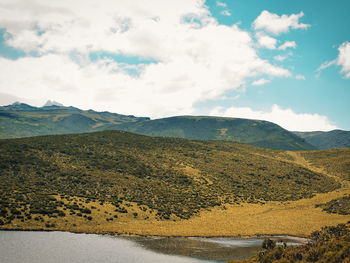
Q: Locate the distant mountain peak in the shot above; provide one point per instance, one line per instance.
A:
(52, 103)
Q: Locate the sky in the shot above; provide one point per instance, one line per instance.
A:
(283, 61)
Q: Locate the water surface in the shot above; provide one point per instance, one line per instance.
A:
(57, 247)
(219, 249)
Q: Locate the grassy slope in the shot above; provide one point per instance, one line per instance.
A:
(334, 161)
(25, 121)
(254, 132)
(327, 140)
(22, 120)
(167, 186)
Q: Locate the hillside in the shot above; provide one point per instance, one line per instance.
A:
(333, 161)
(63, 181)
(22, 120)
(330, 244)
(327, 140)
(254, 132)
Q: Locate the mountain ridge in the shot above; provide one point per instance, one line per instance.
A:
(23, 120)
(255, 132)
(327, 140)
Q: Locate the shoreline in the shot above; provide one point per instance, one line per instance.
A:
(303, 240)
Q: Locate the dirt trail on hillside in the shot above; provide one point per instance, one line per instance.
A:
(298, 159)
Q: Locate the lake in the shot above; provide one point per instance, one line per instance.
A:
(57, 247)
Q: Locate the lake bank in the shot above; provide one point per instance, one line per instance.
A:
(296, 218)
(291, 218)
(300, 239)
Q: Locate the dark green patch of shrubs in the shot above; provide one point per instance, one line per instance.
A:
(337, 206)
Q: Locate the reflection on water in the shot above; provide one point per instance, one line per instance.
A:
(56, 247)
(212, 249)
(218, 249)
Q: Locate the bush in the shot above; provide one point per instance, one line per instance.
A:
(268, 244)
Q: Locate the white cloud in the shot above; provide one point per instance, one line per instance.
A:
(266, 41)
(225, 13)
(178, 35)
(343, 59)
(280, 58)
(218, 3)
(260, 82)
(286, 118)
(287, 44)
(63, 26)
(300, 77)
(276, 24)
(6, 99)
(325, 65)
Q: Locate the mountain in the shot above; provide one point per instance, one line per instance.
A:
(327, 140)
(23, 120)
(255, 132)
(17, 106)
(52, 103)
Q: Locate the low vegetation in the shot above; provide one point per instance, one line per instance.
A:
(335, 161)
(330, 244)
(171, 179)
(337, 206)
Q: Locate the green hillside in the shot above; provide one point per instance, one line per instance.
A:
(254, 132)
(327, 140)
(22, 120)
(174, 178)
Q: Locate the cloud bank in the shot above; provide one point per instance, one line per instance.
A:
(185, 64)
(286, 118)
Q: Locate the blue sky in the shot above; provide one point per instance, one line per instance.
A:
(282, 61)
(326, 93)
